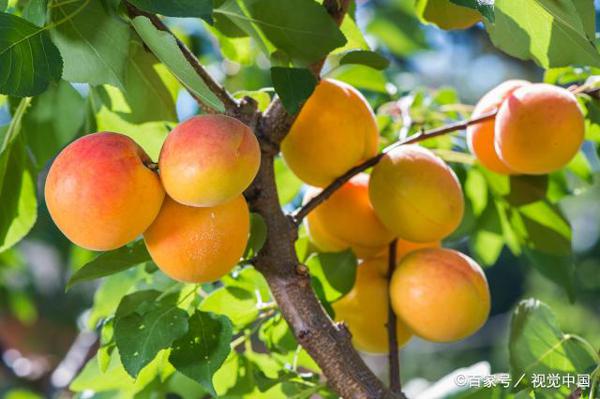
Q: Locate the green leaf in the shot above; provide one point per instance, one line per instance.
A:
(293, 85)
(366, 58)
(307, 34)
(29, 61)
(527, 189)
(109, 294)
(18, 212)
(538, 346)
(550, 33)
(486, 8)
(336, 272)
(177, 8)
(35, 12)
(52, 121)
(202, 351)
(164, 46)
(111, 262)
(94, 44)
(587, 13)
(258, 235)
(144, 330)
(237, 303)
(3, 5)
(288, 184)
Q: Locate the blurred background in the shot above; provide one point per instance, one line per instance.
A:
(44, 334)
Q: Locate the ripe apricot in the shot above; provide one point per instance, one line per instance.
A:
(447, 15)
(539, 129)
(100, 192)
(198, 244)
(208, 160)
(335, 130)
(440, 294)
(416, 195)
(347, 217)
(365, 310)
(481, 135)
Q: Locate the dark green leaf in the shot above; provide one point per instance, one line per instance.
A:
(164, 46)
(18, 211)
(365, 57)
(52, 121)
(527, 189)
(94, 44)
(293, 85)
(111, 262)
(335, 271)
(486, 8)
(177, 8)
(142, 333)
(3, 5)
(537, 345)
(202, 351)
(35, 12)
(29, 61)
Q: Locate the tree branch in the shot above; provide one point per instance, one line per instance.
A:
(302, 212)
(393, 355)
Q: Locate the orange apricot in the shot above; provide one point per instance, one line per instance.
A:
(335, 130)
(416, 195)
(208, 160)
(440, 294)
(539, 129)
(365, 310)
(480, 136)
(198, 244)
(101, 193)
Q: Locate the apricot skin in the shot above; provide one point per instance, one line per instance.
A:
(198, 245)
(335, 130)
(416, 195)
(208, 160)
(539, 129)
(481, 135)
(440, 294)
(100, 193)
(365, 310)
(448, 15)
(347, 217)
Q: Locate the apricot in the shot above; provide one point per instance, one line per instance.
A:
(481, 135)
(403, 248)
(198, 244)
(440, 294)
(365, 310)
(347, 219)
(101, 193)
(447, 15)
(539, 129)
(334, 131)
(416, 195)
(208, 160)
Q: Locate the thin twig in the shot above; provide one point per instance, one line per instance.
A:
(393, 356)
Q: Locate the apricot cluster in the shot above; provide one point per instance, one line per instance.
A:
(538, 128)
(412, 195)
(103, 191)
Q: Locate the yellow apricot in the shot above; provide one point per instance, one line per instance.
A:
(365, 310)
(416, 195)
(198, 245)
(440, 294)
(347, 219)
(208, 160)
(335, 130)
(480, 136)
(539, 129)
(101, 193)
(447, 15)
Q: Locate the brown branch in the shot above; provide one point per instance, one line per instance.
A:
(302, 212)
(393, 355)
(231, 105)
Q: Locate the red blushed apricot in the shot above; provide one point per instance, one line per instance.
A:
(539, 129)
(480, 136)
(100, 193)
(440, 294)
(416, 195)
(198, 245)
(347, 217)
(365, 310)
(208, 160)
(335, 130)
